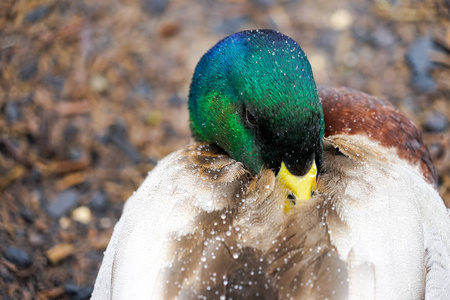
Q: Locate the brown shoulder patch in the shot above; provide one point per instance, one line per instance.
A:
(353, 112)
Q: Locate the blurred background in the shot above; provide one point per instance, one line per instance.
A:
(94, 93)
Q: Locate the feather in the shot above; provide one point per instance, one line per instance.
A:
(375, 228)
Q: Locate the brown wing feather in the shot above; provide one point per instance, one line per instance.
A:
(214, 163)
(252, 249)
(352, 112)
(302, 258)
(219, 258)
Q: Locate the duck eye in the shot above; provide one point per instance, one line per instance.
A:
(250, 119)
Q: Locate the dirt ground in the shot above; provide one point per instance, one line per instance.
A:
(94, 93)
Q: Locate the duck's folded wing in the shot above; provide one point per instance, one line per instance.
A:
(169, 203)
(437, 266)
(385, 189)
(142, 223)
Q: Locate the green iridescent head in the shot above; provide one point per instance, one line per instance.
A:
(253, 94)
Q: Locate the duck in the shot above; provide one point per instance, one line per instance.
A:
(290, 191)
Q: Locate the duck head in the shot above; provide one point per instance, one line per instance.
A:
(253, 94)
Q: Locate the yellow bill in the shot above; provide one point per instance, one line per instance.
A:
(299, 188)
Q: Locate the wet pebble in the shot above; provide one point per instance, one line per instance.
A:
(264, 3)
(436, 150)
(64, 203)
(155, 7)
(56, 82)
(361, 33)
(436, 122)
(154, 118)
(99, 202)
(169, 130)
(411, 104)
(12, 111)
(70, 133)
(98, 83)
(231, 25)
(6, 275)
(75, 153)
(421, 65)
(341, 19)
(144, 90)
(36, 239)
(423, 83)
(28, 70)
(82, 214)
(18, 256)
(38, 13)
(77, 293)
(417, 55)
(35, 174)
(64, 223)
(326, 39)
(118, 136)
(176, 101)
(383, 37)
(27, 215)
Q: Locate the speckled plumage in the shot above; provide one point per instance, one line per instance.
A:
(204, 226)
(353, 112)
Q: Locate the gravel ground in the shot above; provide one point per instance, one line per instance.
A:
(92, 94)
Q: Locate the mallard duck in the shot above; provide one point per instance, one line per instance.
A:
(291, 192)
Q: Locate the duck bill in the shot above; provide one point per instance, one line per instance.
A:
(298, 188)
